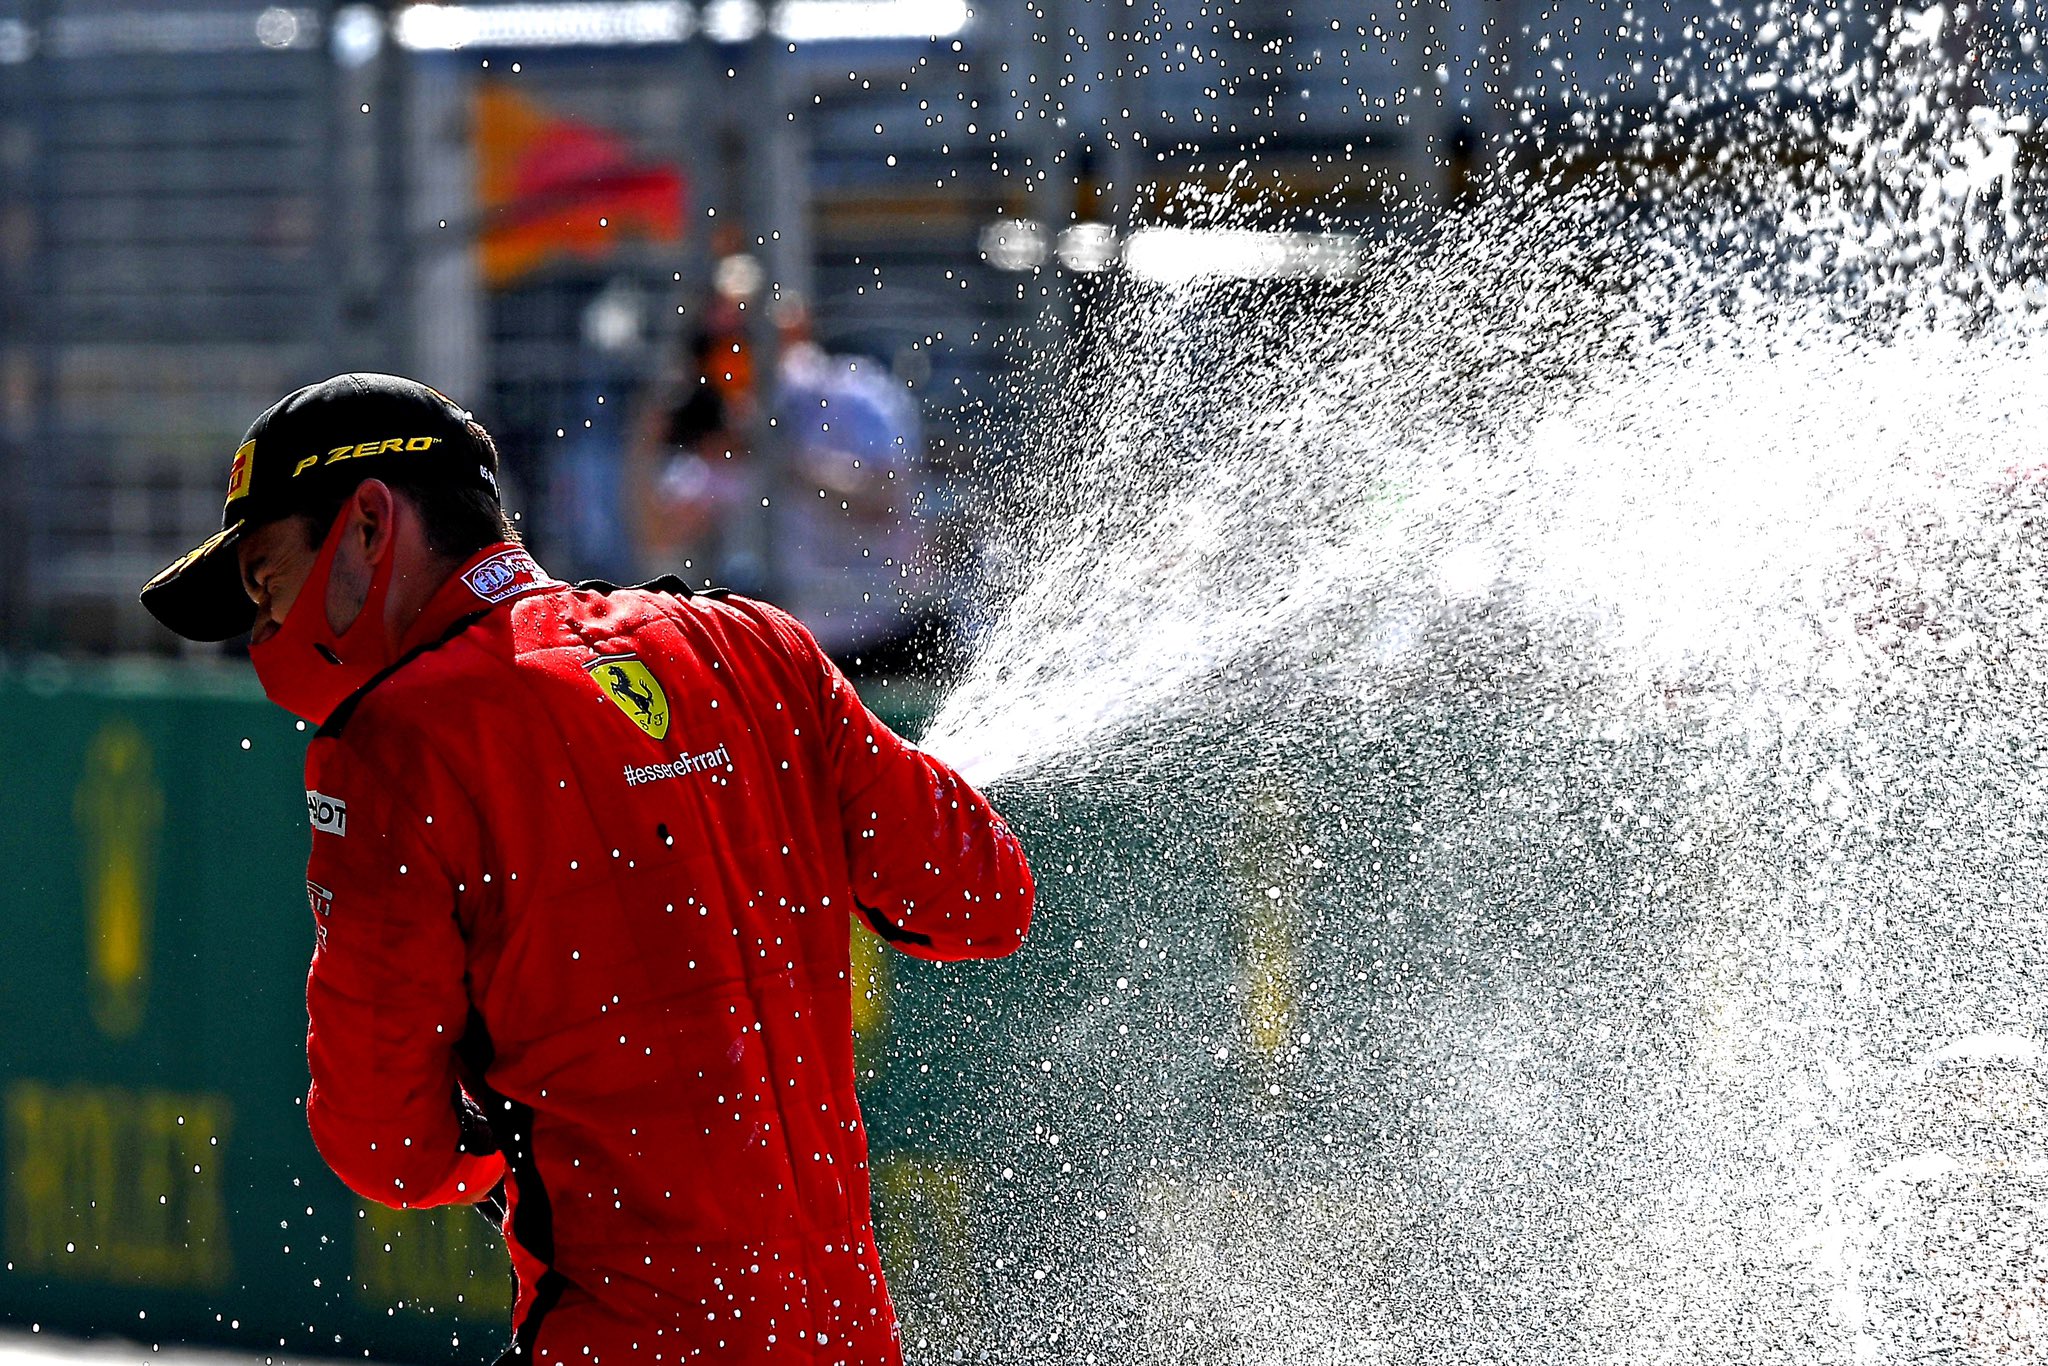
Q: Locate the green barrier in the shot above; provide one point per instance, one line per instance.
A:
(159, 1180)
(1204, 1104)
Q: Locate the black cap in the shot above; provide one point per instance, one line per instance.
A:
(308, 447)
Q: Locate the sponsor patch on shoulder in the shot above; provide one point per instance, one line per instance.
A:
(328, 814)
(502, 575)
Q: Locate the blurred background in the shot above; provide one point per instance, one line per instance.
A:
(760, 294)
(682, 258)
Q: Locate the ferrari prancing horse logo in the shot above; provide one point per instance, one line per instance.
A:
(626, 681)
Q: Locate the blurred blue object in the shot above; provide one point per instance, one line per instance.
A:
(849, 539)
(848, 406)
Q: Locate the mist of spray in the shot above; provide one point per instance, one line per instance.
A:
(1542, 755)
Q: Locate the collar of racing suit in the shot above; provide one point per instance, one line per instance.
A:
(495, 574)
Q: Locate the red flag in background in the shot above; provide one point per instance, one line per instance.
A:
(549, 186)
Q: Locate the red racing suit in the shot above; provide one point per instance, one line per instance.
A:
(582, 874)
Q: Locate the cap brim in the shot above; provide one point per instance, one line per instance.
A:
(200, 595)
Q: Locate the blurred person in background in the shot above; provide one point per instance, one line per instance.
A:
(692, 462)
(583, 865)
(848, 530)
(689, 475)
(843, 484)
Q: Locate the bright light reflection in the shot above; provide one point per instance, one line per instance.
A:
(824, 21)
(1087, 247)
(1180, 255)
(445, 28)
(626, 23)
(1014, 244)
(358, 35)
(732, 21)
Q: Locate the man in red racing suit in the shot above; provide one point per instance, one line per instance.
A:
(584, 862)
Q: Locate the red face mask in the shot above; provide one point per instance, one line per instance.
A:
(306, 666)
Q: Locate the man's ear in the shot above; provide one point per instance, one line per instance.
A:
(374, 508)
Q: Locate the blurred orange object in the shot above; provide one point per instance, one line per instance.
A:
(548, 186)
